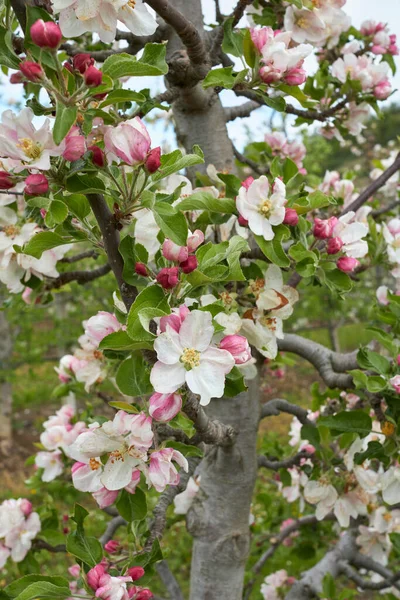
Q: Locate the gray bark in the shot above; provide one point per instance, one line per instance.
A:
(219, 517)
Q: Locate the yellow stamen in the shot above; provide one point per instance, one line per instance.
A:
(11, 230)
(30, 148)
(132, 4)
(190, 358)
(265, 208)
(94, 464)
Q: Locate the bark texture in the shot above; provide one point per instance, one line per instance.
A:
(219, 517)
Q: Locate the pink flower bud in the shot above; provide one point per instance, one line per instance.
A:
(98, 156)
(175, 319)
(144, 594)
(75, 145)
(141, 269)
(290, 580)
(242, 221)
(153, 160)
(164, 407)
(43, 213)
(17, 77)
(129, 141)
(136, 573)
(269, 74)
(291, 217)
(260, 36)
(195, 240)
(295, 76)
(6, 181)
(92, 76)
(172, 251)
(168, 278)
(323, 227)
(347, 264)
(94, 576)
(35, 185)
(334, 245)
(112, 547)
(82, 61)
(74, 571)
(189, 265)
(238, 347)
(26, 507)
(395, 383)
(31, 70)
(383, 90)
(46, 34)
(247, 182)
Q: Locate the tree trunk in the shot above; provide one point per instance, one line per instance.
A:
(5, 386)
(219, 517)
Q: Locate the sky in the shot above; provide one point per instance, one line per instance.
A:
(260, 121)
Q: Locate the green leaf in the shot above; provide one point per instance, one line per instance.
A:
(376, 384)
(176, 161)
(273, 249)
(85, 184)
(234, 383)
(132, 507)
(58, 211)
(206, 201)
(233, 40)
(86, 549)
(185, 449)
(119, 340)
(172, 223)
(19, 585)
(224, 77)
(152, 297)
(118, 96)
(148, 558)
(367, 359)
(311, 433)
(354, 421)
(152, 62)
(42, 241)
(119, 405)
(299, 252)
(44, 589)
(65, 118)
(8, 58)
(133, 378)
(329, 586)
(78, 205)
(374, 450)
(249, 50)
(290, 170)
(311, 202)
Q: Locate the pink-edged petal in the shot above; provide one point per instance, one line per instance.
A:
(168, 346)
(167, 378)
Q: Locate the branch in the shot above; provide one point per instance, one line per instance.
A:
(209, 431)
(242, 111)
(251, 163)
(165, 499)
(80, 277)
(330, 365)
(239, 11)
(286, 463)
(42, 545)
(364, 583)
(169, 580)
(185, 29)
(273, 408)
(111, 239)
(81, 256)
(385, 209)
(374, 186)
(112, 527)
(365, 562)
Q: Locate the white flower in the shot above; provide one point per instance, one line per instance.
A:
(231, 323)
(11, 516)
(276, 297)
(305, 25)
(358, 113)
(101, 17)
(323, 494)
(393, 244)
(374, 544)
(351, 233)
(20, 141)
(184, 500)
(5, 554)
(262, 332)
(391, 485)
(19, 540)
(188, 356)
(261, 208)
(51, 463)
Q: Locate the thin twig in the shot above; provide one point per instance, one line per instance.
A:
(81, 256)
(285, 463)
(257, 168)
(80, 277)
(274, 407)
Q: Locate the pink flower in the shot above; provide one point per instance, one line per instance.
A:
(31, 70)
(82, 61)
(104, 497)
(164, 407)
(173, 252)
(168, 278)
(195, 240)
(93, 76)
(135, 573)
(189, 265)
(153, 160)
(101, 325)
(129, 141)
(260, 36)
(383, 90)
(74, 571)
(291, 217)
(334, 245)
(295, 76)
(382, 295)
(162, 472)
(141, 269)
(46, 34)
(175, 319)
(75, 145)
(112, 546)
(36, 185)
(26, 507)
(143, 594)
(395, 383)
(95, 575)
(6, 181)
(238, 347)
(347, 264)
(323, 227)
(98, 156)
(247, 182)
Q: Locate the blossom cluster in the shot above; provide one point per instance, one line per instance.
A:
(19, 525)
(282, 147)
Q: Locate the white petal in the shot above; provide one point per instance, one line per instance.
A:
(166, 379)
(168, 346)
(118, 474)
(197, 330)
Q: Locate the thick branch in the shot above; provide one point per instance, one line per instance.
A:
(209, 431)
(330, 365)
(347, 570)
(111, 241)
(112, 527)
(285, 463)
(242, 111)
(274, 407)
(239, 10)
(360, 561)
(80, 277)
(169, 580)
(374, 186)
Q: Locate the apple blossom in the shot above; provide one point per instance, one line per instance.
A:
(153, 160)
(195, 240)
(164, 407)
(175, 319)
(184, 500)
(129, 142)
(46, 34)
(6, 181)
(92, 76)
(101, 16)
(323, 228)
(173, 252)
(75, 145)
(272, 583)
(238, 347)
(382, 295)
(98, 156)
(262, 208)
(305, 25)
(291, 217)
(350, 232)
(51, 463)
(101, 325)
(392, 239)
(36, 185)
(161, 470)
(189, 265)
(112, 547)
(168, 277)
(31, 70)
(262, 332)
(188, 356)
(276, 297)
(347, 264)
(395, 383)
(334, 245)
(136, 573)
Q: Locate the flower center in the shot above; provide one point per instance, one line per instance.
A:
(190, 358)
(226, 298)
(30, 148)
(396, 242)
(94, 464)
(302, 22)
(11, 230)
(132, 4)
(269, 322)
(116, 455)
(265, 208)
